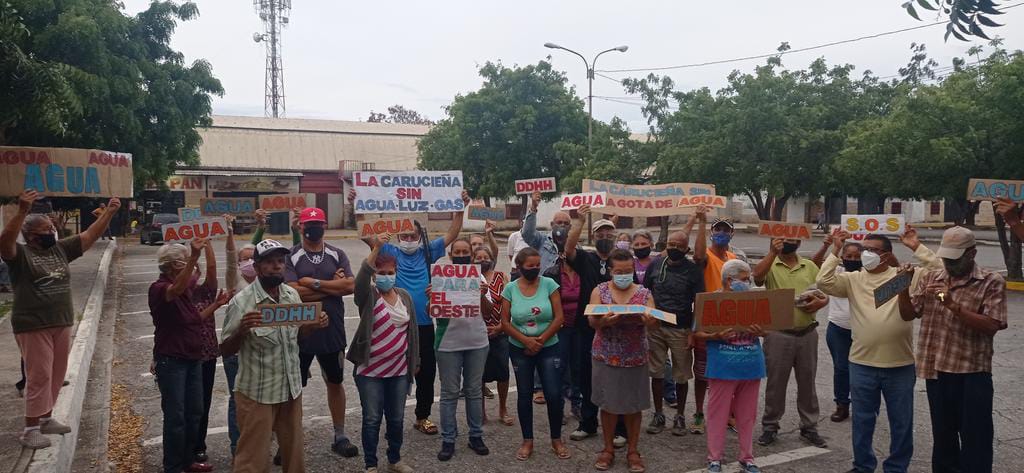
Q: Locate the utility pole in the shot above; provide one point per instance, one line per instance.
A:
(274, 14)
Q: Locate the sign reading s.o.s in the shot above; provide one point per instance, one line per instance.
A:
(887, 224)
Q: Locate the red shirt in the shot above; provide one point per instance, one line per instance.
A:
(178, 326)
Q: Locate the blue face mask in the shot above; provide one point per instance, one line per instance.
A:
(721, 238)
(385, 282)
(740, 286)
(622, 281)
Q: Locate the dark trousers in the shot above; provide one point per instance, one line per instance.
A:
(382, 399)
(428, 373)
(547, 362)
(230, 372)
(588, 410)
(568, 340)
(181, 400)
(209, 374)
(961, 411)
(839, 340)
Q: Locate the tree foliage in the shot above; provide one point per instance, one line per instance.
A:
(966, 17)
(399, 114)
(81, 73)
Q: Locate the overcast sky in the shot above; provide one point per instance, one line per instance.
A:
(343, 59)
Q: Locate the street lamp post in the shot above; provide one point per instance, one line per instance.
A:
(590, 86)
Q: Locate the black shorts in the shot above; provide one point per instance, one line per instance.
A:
(330, 366)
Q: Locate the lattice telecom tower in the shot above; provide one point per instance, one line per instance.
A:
(274, 14)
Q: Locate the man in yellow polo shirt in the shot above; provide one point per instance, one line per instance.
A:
(795, 349)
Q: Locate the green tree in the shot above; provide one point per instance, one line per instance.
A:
(966, 17)
(399, 114)
(107, 81)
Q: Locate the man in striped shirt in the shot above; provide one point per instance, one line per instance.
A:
(268, 389)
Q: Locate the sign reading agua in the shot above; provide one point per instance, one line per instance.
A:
(714, 201)
(393, 226)
(796, 231)
(237, 206)
(992, 189)
(595, 200)
(717, 311)
(65, 172)
(282, 202)
(213, 228)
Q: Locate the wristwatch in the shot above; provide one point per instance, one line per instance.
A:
(316, 284)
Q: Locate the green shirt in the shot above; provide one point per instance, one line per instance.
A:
(531, 316)
(268, 361)
(41, 280)
(800, 278)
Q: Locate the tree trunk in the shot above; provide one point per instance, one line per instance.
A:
(663, 237)
(759, 204)
(778, 205)
(487, 201)
(1010, 246)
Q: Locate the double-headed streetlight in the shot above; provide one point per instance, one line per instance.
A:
(590, 84)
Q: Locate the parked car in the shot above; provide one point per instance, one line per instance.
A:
(152, 232)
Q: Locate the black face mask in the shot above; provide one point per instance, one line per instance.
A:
(675, 254)
(642, 252)
(486, 266)
(560, 233)
(789, 248)
(958, 268)
(271, 281)
(852, 265)
(461, 259)
(605, 246)
(46, 240)
(530, 274)
(314, 234)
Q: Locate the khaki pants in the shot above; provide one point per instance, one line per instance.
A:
(784, 353)
(255, 423)
(45, 352)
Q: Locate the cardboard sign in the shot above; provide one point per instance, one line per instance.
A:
(282, 202)
(408, 191)
(238, 206)
(717, 311)
(795, 231)
(892, 288)
(854, 237)
(214, 228)
(529, 186)
(662, 315)
(65, 172)
(713, 201)
(274, 315)
(605, 309)
(647, 200)
(595, 200)
(186, 183)
(188, 214)
(454, 291)
(477, 212)
(992, 189)
(874, 224)
(393, 226)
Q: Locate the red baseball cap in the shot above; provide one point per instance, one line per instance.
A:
(312, 214)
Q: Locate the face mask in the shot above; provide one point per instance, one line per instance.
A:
(622, 281)
(622, 245)
(486, 266)
(789, 248)
(46, 241)
(530, 274)
(740, 286)
(247, 269)
(314, 234)
(958, 267)
(852, 265)
(271, 280)
(461, 259)
(870, 260)
(721, 239)
(605, 246)
(642, 252)
(676, 254)
(385, 282)
(559, 233)
(409, 247)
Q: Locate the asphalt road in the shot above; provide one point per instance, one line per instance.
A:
(663, 452)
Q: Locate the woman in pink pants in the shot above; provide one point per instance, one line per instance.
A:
(734, 371)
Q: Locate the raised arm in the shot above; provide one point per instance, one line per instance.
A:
(456, 227)
(9, 236)
(231, 272)
(1011, 214)
(529, 231)
(211, 266)
(828, 281)
(700, 248)
(763, 267)
(573, 239)
(96, 230)
(491, 242)
(819, 256)
(185, 275)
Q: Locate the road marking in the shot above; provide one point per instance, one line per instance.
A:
(774, 459)
(138, 294)
(136, 312)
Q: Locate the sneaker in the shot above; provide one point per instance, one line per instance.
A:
(697, 428)
(679, 426)
(345, 448)
(767, 438)
(813, 438)
(580, 434)
(657, 424)
(400, 468)
(715, 467)
(619, 441)
(477, 445)
(749, 468)
(447, 451)
(52, 427)
(488, 393)
(199, 467)
(34, 439)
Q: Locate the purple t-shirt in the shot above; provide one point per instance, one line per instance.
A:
(178, 326)
(302, 264)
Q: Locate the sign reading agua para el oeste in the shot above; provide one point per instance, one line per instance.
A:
(272, 315)
(649, 200)
(237, 206)
(282, 202)
(992, 189)
(65, 172)
(408, 191)
(888, 224)
(454, 291)
(595, 200)
(477, 212)
(393, 226)
(213, 228)
(540, 184)
(793, 231)
(717, 311)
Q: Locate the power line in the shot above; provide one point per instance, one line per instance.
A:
(791, 51)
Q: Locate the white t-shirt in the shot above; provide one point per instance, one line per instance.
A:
(515, 245)
(839, 307)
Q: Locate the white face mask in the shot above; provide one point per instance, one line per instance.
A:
(409, 247)
(870, 260)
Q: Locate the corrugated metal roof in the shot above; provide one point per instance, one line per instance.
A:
(324, 126)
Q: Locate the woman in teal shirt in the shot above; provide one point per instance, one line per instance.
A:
(531, 314)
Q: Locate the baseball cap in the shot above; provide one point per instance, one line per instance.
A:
(172, 252)
(722, 221)
(312, 214)
(601, 224)
(955, 241)
(268, 247)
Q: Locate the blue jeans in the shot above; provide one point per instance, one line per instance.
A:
(897, 386)
(181, 400)
(839, 340)
(230, 371)
(567, 340)
(548, 362)
(382, 398)
(461, 371)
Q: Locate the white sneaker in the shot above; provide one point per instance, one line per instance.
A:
(34, 439)
(371, 469)
(619, 441)
(52, 427)
(400, 467)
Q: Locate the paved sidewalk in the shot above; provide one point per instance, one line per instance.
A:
(12, 458)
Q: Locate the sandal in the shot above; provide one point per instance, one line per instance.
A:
(425, 426)
(562, 452)
(538, 398)
(507, 420)
(524, 453)
(636, 463)
(605, 460)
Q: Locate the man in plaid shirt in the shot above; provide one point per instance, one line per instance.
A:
(961, 308)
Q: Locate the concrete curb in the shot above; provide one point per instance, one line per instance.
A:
(69, 403)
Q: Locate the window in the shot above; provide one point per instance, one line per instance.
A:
(897, 208)
(936, 208)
